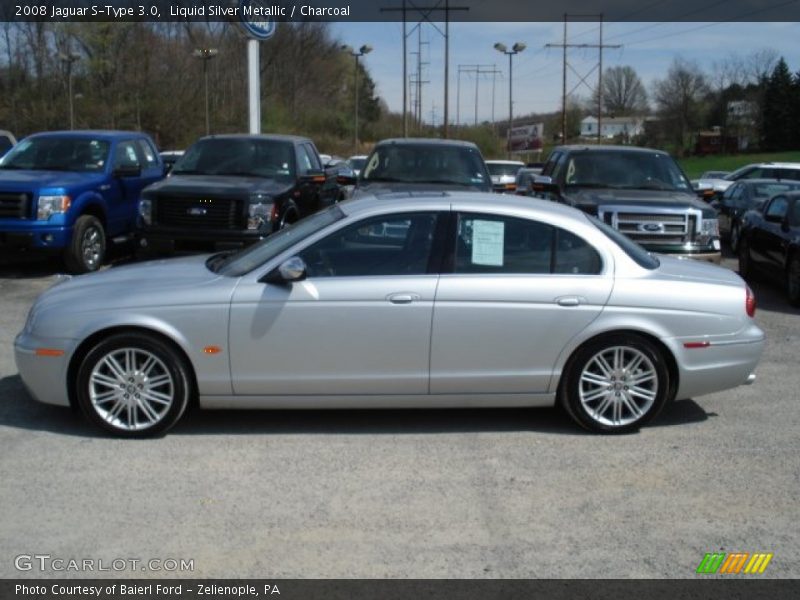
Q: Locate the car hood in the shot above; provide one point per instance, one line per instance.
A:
(655, 198)
(35, 180)
(176, 281)
(381, 188)
(218, 185)
(693, 270)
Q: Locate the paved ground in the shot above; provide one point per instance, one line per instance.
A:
(493, 493)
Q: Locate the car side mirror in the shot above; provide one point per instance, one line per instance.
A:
(127, 171)
(314, 176)
(717, 205)
(543, 183)
(291, 270)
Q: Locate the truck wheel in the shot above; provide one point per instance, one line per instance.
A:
(87, 250)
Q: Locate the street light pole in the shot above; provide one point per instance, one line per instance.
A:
(515, 49)
(206, 54)
(68, 59)
(365, 49)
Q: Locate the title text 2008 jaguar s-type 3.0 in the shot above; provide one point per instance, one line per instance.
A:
(433, 300)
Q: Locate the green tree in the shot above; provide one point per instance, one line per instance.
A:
(780, 109)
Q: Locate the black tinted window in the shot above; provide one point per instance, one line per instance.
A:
(389, 245)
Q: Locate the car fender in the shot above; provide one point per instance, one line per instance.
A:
(92, 202)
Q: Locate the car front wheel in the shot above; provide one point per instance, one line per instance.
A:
(133, 385)
(87, 250)
(615, 384)
(735, 237)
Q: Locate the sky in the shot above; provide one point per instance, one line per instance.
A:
(649, 48)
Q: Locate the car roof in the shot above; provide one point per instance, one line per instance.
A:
(258, 136)
(425, 141)
(606, 147)
(109, 134)
(764, 180)
(477, 201)
(505, 162)
(782, 165)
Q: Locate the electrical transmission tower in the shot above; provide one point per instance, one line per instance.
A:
(598, 66)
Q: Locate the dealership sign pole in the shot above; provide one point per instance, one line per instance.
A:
(258, 30)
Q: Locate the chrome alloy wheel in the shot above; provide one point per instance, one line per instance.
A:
(131, 389)
(618, 386)
(92, 247)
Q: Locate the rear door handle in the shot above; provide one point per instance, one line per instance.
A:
(402, 298)
(569, 300)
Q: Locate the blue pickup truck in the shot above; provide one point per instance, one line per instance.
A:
(71, 191)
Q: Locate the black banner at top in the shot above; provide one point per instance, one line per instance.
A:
(475, 11)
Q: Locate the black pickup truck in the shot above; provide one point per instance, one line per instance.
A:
(643, 193)
(229, 191)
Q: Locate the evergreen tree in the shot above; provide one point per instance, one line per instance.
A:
(780, 108)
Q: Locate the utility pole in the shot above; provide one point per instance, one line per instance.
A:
(600, 47)
(515, 49)
(365, 49)
(206, 54)
(478, 70)
(69, 58)
(425, 15)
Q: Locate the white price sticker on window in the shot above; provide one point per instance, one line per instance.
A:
(488, 239)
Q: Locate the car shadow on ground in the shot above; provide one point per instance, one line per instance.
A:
(18, 410)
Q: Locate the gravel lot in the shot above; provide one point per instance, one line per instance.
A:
(492, 493)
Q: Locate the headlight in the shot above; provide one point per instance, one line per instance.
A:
(258, 215)
(710, 227)
(52, 205)
(146, 210)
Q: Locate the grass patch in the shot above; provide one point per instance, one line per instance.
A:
(694, 166)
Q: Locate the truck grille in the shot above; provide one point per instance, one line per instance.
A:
(653, 227)
(15, 205)
(196, 213)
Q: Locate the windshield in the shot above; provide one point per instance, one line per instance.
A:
(238, 156)
(639, 255)
(357, 163)
(626, 170)
(58, 153)
(499, 169)
(426, 163)
(238, 264)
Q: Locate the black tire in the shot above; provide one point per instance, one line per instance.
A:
(118, 401)
(745, 262)
(793, 279)
(735, 237)
(87, 249)
(580, 382)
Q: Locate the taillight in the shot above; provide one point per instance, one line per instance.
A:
(750, 303)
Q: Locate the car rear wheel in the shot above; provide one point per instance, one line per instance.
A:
(87, 249)
(793, 280)
(133, 385)
(615, 384)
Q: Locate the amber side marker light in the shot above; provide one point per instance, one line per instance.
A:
(212, 350)
(49, 352)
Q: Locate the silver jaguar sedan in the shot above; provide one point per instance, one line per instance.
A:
(432, 300)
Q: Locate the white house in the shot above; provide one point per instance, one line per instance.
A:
(612, 127)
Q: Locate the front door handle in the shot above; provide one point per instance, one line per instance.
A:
(569, 300)
(402, 298)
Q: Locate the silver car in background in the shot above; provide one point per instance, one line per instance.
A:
(432, 300)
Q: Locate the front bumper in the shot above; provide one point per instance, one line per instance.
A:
(45, 376)
(23, 234)
(167, 239)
